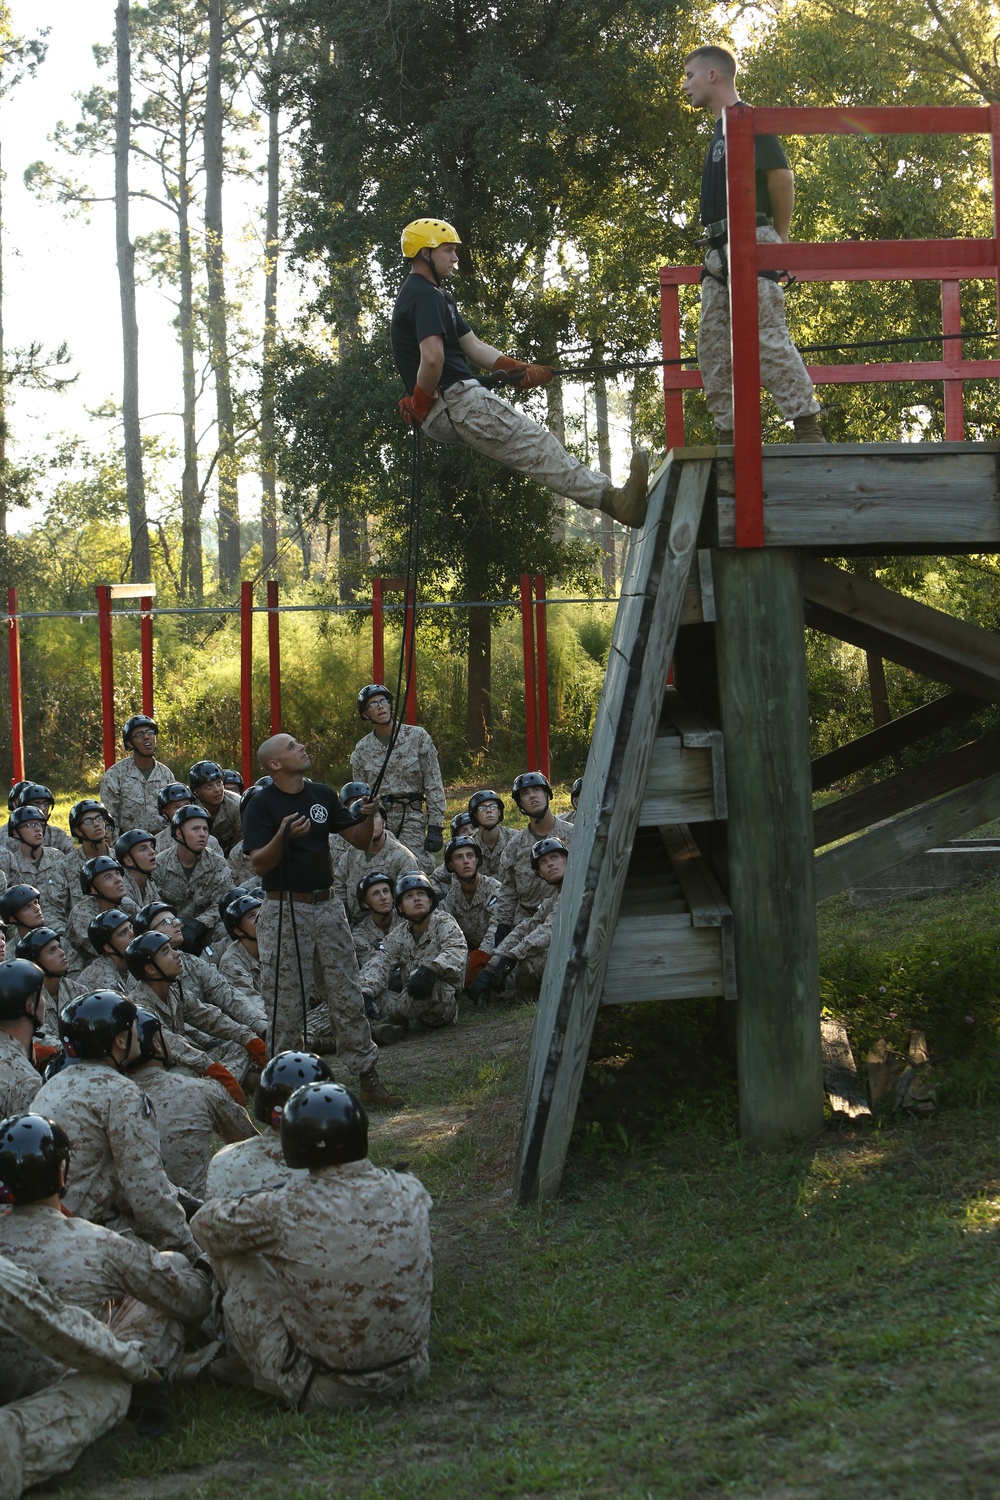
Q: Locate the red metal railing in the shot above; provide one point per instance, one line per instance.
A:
(947, 261)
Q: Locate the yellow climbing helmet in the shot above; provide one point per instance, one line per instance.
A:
(426, 234)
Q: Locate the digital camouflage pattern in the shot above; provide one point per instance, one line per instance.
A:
(80, 917)
(242, 972)
(141, 895)
(522, 891)
(475, 916)
(413, 767)
(194, 894)
(530, 941)
(20, 1080)
(249, 1166)
(491, 857)
(226, 822)
(393, 859)
(130, 797)
(189, 1111)
(442, 948)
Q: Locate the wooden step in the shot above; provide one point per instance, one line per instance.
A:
(686, 782)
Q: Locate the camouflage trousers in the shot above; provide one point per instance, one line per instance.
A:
(782, 371)
(44, 1434)
(439, 1008)
(325, 950)
(259, 1336)
(467, 413)
(408, 823)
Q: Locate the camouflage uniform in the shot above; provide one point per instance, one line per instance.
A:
(333, 1272)
(43, 874)
(63, 887)
(189, 1111)
(215, 989)
(442, 948)
(413, 769)
(393, 859)
(226, 823)
(130, 797)
(53, 838)
(102, 974)
(530, 941)
(522, 891)
(324, 942)
(80, 917)
(141, 895)
(67, 990)
(368, 938)
(249, 1166)
(194, 893)
(20, 1080)
(241, 865)
(118, 1178)
(89, 1266)
(165, 840)
(184, 1053)
(43, 1431)
(243, 974)
(782, 371)
(475, 917)
(490, 864)
(190, 1014)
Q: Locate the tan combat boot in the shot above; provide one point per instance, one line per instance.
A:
(628, 504)
(371, 1090)
(807, 429)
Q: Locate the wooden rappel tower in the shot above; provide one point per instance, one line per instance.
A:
(694, 869)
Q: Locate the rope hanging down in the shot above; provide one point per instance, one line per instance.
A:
(408, 642)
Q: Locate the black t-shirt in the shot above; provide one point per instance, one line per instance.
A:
(421, 310)
(767, 154)
(307, 860)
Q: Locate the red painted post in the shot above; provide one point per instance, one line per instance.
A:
(738, 127)
(16, 721)
(995, 160)
(107, 673)
(274, 655)
(954, 390)
(410, 657)
(528, 645)
(541, 636)
(146, 653)
(378, 633)
(247, 757)
(670, 334)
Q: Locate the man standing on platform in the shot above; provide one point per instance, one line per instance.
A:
(710, 83)
(286, 829)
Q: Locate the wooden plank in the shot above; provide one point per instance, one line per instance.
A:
(697, 733)
(613, 784)
(699, 596)
(704, 897)
(707, 584)
(650, 961)
(909, 833)
(765, 719)
(918, 724)
(840, 1075)
(680, 786)
(916, 785)
(916, 636)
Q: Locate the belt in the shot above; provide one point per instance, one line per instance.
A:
(720, 229)
(414, 798)
(308, 898)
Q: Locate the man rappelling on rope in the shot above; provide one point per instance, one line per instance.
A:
(432, 343)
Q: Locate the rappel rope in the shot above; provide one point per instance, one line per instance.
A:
(408, 642)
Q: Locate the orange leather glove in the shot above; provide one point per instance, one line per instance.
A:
(475, 964)
(531, 375)
(43, 1055)
(222, 1075)
(415, 408)
(258, 1052)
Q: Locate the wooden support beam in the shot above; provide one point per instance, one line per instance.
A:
(910, 833)
(910, 788)
(918, 724)
(916, 636)
(703, 897)
(765, 714)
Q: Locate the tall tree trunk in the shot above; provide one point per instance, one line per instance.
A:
(349, 561)
(229, 512)
(556, 419)
(479, 710)
(192, 499)
(268, 474)
(140, 569)
(608, 572)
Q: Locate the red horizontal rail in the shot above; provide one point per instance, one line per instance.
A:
(931, 119)
(890, 257)
(691, 275)
(922, 369)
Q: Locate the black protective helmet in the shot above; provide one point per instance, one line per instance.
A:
(148, 1027)
(126, 842)
(459, 821)
(373, 690)
(89, 1024)
(80, 809)
(233, 894)
(323, 1125)
(478, 798)
(234, 914)
(14, 897)
(149, 913)
(142, 950)
(22, 815)
(203, 771)
(233, 781)
(14, 793)
(354, 791)
(33, 1150)
(91, 868)
(104, 926)
(461, 843)
(524, 781)
(546, 846)
(56, 1063)
(415, 880)
(33, 791)
(20, 981)
(282, 1076)
(187, 815)
(576, 789)
(30, 946)
(250, 793)
(174, 791)
(137, 721)
(375, 877)
(357, 809)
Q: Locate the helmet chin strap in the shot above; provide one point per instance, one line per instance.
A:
(427, 257)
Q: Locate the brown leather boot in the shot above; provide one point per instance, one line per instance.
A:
(628, 504)
(371, 1090)
(807, 429)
